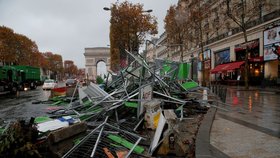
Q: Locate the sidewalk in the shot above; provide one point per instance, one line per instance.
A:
(236, 139)
(248, 127)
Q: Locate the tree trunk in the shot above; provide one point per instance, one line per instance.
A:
(246, 77)
(181, 53)
(202, 62)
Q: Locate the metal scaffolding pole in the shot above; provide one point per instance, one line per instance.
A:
(97, 141)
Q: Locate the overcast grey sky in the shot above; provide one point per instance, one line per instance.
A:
(66, 27)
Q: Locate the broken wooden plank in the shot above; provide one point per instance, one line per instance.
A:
(67, 132)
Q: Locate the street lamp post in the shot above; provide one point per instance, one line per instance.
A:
(191, 59)
(144, 11)
(146, 49)
(106, 8)
(148, 11)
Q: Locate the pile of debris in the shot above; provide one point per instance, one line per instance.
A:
(146, 110)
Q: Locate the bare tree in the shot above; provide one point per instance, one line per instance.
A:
(241, 12)
(176, 26)
(129, 27)
(200, 20)
(189, 25)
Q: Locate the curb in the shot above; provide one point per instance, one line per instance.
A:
(202, 149)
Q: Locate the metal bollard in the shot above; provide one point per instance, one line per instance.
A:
(224, 95)
(205, 96)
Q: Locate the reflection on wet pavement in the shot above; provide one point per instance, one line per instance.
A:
(249, 127)
(255, 107)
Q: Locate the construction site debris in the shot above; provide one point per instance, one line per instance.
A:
(145, 110)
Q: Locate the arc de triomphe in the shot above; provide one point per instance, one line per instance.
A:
(93, 56)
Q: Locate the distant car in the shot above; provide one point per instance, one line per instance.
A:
(83, 82)
(70, 82)
(49, 84)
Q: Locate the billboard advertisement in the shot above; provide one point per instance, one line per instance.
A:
(271, 39)
(272, 36)
(207, 54)
(222, 57)
(268, 54)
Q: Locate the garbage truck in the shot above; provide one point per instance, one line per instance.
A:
(20, 77)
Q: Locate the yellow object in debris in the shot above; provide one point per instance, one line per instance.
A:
(156, 118)
(152, 114)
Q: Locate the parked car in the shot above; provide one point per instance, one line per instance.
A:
(70, 82)
(49, 84)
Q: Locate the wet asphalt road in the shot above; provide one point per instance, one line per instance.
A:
(23, 107)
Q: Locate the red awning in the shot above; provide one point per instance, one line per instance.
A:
(227, 67)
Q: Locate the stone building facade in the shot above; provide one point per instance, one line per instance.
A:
(225, 47)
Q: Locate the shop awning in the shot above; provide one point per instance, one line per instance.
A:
(227, 67)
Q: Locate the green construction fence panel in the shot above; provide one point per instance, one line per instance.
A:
(189, 85)
(42, 119)
(125, 143)
(184, 70)
(131, 104)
